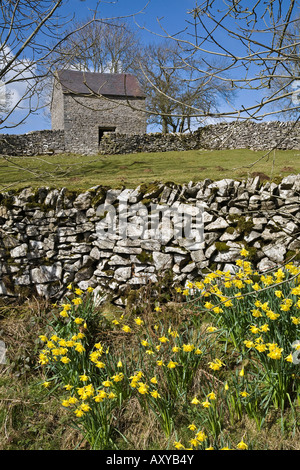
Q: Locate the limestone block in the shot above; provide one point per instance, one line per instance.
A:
(83, 201)
(162, 261)
(274, 252)
(218, 224)
(45, 274)
(122, 274)
(20, 251)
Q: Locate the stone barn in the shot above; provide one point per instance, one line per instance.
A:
(87, 104)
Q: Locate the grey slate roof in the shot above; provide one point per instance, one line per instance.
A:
(106, 84)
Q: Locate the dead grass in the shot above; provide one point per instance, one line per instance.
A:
(30, 419)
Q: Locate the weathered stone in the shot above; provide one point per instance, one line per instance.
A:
(118, 260)
(23, 280)
(228, 256)
(32, 238)
(95, 253)
(10, 242)
(162, 261)
(127, 250)
(235, 210)
(104, 244)
(36, 245)
(254, 202)
(207, 217)
(218, 224)
(288, 181)
(151, 245)
(230, 236)
(274, 252)
(189, 268)
(122, 274)
(253, 235)
(265, 265)
(45, 274)
(210, 251)
(81, 248)
(223, 186)
(198, 256)
(20, 251)
(174, 249)
(84, 274)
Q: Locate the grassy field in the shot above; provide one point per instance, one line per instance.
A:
(83, 172)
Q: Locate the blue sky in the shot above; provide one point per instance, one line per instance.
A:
(173, 16)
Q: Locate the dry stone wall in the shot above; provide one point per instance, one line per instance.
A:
(34, 143)
(51, 237)
(234, 135)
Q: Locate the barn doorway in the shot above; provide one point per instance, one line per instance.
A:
(102, 130)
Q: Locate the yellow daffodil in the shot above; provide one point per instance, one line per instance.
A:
(126, 328)
(163, 339)
(206, 404)
(212, 396)
(195, 401)
(192, 427)
(143, 388)
(242, 445)
(244, 252)
(78, 291)
(211, 329)
(188, 347)
(83, 378)
(172, 365)
(289, 358)
(178, 445)
(68, 387)
(107, 383)
(201, 436)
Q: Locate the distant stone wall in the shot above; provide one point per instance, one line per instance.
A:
(49, 238)
(84, 140)
(34, 143)
(234, 135)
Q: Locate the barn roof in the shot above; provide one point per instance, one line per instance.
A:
(106, 84)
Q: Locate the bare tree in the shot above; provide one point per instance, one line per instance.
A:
(24, 28)
(175, 88)
(289, 77)
(252, 38)
(99, 46)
